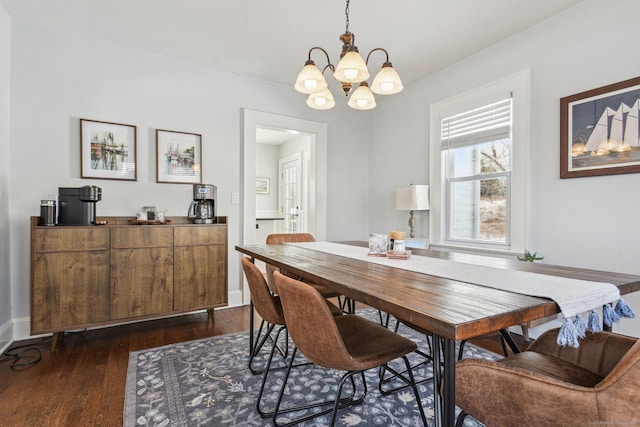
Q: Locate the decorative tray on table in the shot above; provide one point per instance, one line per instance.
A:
(148, 221)
(399, 255)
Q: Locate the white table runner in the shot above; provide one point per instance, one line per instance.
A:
(573, 296)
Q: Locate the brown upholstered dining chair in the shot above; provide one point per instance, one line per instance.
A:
(279, 238)
(594, 384)
(269, 308)
(346, 343)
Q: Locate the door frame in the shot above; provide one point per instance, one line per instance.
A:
(317, 216)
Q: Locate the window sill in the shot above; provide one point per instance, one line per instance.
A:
(506, 253)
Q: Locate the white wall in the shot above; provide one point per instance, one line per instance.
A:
(5, 231)
(59, 78)
(583, 222)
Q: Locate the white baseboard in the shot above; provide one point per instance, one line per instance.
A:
(235, 298)
(20, 329)
(6, 335)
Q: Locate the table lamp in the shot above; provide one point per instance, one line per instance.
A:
(412, 198)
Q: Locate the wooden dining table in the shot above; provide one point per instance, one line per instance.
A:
(451, 310)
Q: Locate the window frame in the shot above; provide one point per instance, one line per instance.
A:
(516, 86)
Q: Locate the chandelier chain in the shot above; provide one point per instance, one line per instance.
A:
(346, 12)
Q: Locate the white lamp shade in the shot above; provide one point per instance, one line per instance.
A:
(387, 81)
(310, 79)
(322, 100)
(351, 68)
(412, 198)
(362, 98)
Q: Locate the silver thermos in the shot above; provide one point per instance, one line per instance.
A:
(47, 213)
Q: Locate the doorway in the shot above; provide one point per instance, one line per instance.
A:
(316, 204)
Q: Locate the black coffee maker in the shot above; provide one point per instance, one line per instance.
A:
(78, 205)
(203, 208)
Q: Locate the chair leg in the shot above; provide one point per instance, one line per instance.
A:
(260, 340)
(383, 380)
(502, 342)
(460, 420)
(336, 403)
(259, 343)
(461, 349)
(409, 382)
(262, 413)
(412, 380)
(341, 402)
(348, 306)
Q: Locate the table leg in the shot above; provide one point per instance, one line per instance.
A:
(449, 392)
(445, 404)
(437, 381)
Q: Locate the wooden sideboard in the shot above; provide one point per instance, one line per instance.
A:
(87, 276)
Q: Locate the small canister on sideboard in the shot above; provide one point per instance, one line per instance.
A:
(47, 213)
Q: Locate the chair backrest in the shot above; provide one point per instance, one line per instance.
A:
(604, 352)
(311, 324)
(279, 238)
(267, 305)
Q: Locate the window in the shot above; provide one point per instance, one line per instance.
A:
(479, 144)
(477, 149)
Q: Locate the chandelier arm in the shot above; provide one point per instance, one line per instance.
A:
(373, 50)
(329, 66)
(325, 54)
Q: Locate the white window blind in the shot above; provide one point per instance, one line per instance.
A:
(487, 123)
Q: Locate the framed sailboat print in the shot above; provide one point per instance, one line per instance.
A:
(600, 131)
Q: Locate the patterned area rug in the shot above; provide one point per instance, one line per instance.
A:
(207, 383)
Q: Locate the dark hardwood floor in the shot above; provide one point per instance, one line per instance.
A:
(82, 382)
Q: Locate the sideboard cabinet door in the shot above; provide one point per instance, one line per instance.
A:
(141, 271)
(70, 278)
(200, 267)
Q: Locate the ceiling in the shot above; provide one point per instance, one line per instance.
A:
(270, 39)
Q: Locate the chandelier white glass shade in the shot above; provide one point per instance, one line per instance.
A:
(310, 79)
(362, 98)
(387, 81)
(322, 100)
(351, 70)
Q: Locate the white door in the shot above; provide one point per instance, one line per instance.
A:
(291, 194)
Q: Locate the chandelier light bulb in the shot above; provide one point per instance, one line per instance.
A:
(351, 73)
(311, 84)
(387, 86)
(322, 100)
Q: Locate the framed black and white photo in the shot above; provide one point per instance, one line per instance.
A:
(107, 150)
(600, 131)
(178, 157)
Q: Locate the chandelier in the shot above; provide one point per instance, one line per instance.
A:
(351, 70)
